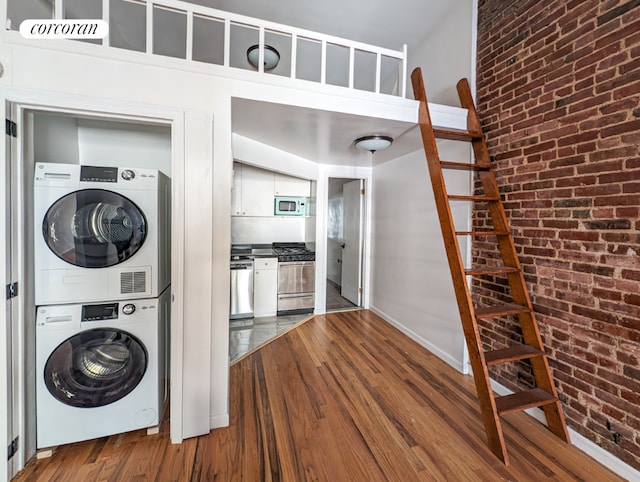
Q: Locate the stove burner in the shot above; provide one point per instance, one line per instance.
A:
(293, 252)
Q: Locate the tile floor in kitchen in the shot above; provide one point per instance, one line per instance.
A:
(248, 334)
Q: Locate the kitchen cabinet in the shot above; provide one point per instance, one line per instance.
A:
(291, 186)
(265, 287)
(252, 192)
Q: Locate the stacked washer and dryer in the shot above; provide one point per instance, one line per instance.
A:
(102, 275)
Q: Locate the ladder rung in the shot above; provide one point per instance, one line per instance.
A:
(470, 166)
(456, 135)
(501, 310)
(513, 353)
(455, 197)
(490, 270)
(520, 401)
(482, 233)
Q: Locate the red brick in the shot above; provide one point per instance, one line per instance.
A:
(578, 239)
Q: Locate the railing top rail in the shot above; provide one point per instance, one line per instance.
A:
(272, 26)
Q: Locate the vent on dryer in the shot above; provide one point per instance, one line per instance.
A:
(133, 282)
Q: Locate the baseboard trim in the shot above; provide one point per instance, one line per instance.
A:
(219, 421)
(446, 357)
(579, 441)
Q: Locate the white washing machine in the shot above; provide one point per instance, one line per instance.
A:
(101, 368)
(100, 234)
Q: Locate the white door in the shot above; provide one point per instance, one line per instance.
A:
(352, 198)
(7, 372)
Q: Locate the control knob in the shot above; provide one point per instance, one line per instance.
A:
(127, 174)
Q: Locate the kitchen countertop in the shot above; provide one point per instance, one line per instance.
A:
(252, 251)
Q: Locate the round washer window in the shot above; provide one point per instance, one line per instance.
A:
(95, 367)
(94, 228)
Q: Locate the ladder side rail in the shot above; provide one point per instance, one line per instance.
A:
(492, 422)
(517, 283)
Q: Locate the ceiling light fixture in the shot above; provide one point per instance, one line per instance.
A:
(373, 143)
(271, 56)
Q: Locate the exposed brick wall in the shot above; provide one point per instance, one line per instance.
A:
(559, 97)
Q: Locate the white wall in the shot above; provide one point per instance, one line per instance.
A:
(98, 142)
(265, 230)
(124, 144)
(56, 139)
(453, 59)
(257, 154)
(411, 284)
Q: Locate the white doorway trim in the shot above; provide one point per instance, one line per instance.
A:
(27, 100)
(6, 414)
(326, 172)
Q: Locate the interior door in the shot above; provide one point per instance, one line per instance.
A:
(352, 199)
(8, 393)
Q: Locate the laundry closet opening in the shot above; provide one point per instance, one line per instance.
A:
(97, 200)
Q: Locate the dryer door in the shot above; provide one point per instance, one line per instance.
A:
(94, 228)
(95, 367)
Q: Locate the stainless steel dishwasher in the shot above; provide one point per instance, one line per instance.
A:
(241, 305)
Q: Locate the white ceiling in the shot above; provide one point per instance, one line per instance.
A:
(379, 22)
(323, 136)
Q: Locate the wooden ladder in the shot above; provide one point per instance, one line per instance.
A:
(492, 407)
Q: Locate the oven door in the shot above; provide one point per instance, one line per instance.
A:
(296, 277)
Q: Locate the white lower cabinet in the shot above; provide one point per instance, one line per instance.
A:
(265, 287)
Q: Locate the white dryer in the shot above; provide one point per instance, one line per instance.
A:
(100, 234)
(101, 368)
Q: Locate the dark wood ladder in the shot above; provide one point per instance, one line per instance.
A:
(492, 407)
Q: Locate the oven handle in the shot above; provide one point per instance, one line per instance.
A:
(296, 295)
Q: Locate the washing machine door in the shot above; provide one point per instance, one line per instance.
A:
(94, 228)
(95, 367)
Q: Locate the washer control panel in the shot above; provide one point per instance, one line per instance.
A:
(105, 311)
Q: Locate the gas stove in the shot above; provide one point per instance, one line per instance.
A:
(293, 252)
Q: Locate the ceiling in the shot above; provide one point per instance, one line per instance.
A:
(378, 22)
(323, 136)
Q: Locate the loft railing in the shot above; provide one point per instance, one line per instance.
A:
(196, 33)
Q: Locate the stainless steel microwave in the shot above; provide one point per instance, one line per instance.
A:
(291, 206)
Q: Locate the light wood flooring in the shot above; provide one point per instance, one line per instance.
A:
(341, 397)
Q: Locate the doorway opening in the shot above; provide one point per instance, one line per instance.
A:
(344, 243)
(68, 139)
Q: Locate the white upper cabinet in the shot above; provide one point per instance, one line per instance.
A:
(252, 191)
(291, 186)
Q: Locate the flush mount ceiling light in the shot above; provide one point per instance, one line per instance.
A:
(373, 143)
(271, 56)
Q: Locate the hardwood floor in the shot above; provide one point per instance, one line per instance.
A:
(341, 397)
